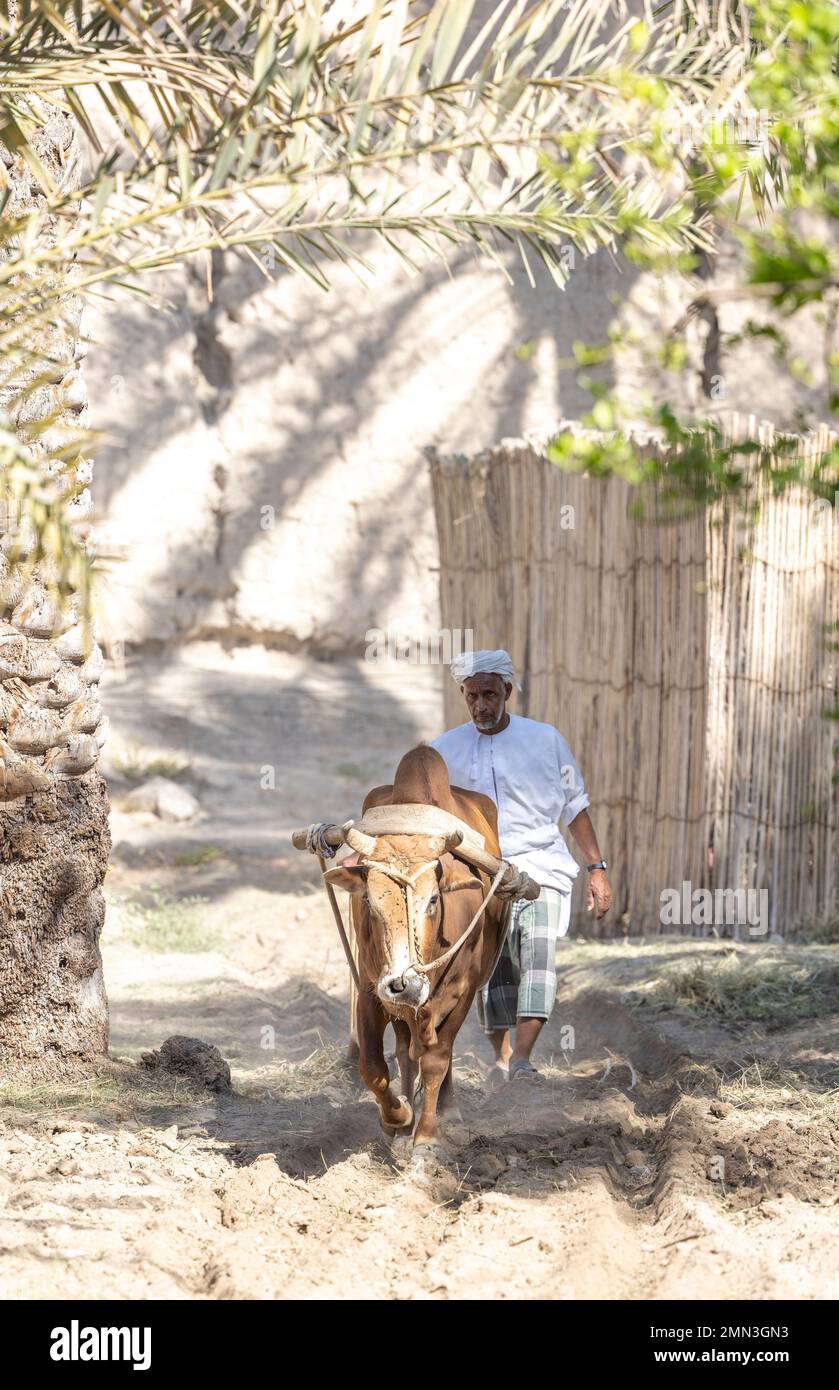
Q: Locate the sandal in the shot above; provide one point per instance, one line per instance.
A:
(496, 1077)
(523, 1071)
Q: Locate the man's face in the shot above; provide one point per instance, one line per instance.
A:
(486, 697)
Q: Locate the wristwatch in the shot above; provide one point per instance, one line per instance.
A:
(601, 864)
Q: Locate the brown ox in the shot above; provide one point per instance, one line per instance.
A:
(397, 929)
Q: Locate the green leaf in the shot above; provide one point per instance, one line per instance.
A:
(451, 33)
(103, 193)
(603, 416)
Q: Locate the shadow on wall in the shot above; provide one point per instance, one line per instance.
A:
(267, 477)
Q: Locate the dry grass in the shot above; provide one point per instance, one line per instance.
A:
(823, 930)
(324, 1069)
(737, 987)
(135, 763)
(196, 856)
(107, 1095)
(767, 1085)
(159, 921)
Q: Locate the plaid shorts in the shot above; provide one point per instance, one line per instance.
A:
(523, 984)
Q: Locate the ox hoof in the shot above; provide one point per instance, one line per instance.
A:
(401, 1149)
(430, 1156)
(405, 1125)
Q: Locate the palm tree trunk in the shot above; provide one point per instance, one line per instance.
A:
(54, 838)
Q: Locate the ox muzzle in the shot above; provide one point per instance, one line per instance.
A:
(405, 989)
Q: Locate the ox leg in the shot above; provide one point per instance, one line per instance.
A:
(407, 1068)
(396, 1113)
(436, 1067)
(447, 1100)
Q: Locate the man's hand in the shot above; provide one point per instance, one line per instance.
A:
(599, 893)
(517, 885)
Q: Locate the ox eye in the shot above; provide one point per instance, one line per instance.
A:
(432, 903)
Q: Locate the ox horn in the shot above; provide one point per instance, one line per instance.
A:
(453, 841)
(357, 840)
(471, 853)
(479, 857)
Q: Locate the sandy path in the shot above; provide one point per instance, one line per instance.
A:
(581, 1188)
(588, 1186)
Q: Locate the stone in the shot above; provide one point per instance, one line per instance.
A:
(165, 798)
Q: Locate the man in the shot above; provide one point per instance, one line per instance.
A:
(529, 772)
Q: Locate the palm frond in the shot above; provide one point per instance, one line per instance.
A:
(307, 128)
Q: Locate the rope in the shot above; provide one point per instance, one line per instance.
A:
(453, 950)
(316, 843)
(408, 881)
(339, 922)
(505, 928)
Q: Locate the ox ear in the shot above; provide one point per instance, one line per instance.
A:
(455, 874)
(349, 875)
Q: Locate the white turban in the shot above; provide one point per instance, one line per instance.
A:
(476, 663)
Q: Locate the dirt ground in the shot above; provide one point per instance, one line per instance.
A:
(672, 1151)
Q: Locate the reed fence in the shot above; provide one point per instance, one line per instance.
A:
(689, 662)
